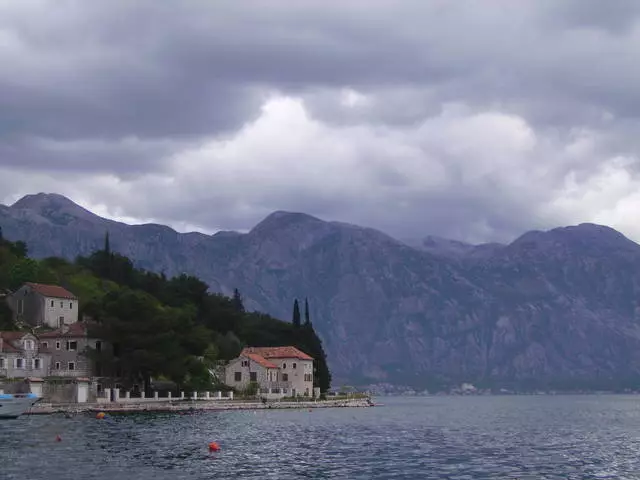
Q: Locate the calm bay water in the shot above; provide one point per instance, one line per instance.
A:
(568, 437)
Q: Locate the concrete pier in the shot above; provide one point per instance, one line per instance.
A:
(200, 405)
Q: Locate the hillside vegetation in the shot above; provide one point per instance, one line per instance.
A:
(159, 327)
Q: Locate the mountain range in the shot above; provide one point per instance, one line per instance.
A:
(558, 307)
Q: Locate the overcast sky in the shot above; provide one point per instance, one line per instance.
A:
(465, 119)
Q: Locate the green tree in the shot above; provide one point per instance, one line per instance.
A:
(6, 317)
(251, 390)
(307, 318)
(146, 338)
(229, 346)
(24, 270)
(296, 313)
(211, 355)
(19, 249)
(185, 289)
(312, 345)
(238, 303)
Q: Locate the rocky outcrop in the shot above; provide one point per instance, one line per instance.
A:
(557, 306)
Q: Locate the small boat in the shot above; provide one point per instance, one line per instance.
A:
(14, 405)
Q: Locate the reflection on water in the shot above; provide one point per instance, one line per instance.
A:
(571, 437)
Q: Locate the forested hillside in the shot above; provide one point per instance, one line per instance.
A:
(160, 327)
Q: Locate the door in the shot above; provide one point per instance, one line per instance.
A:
(83, 392)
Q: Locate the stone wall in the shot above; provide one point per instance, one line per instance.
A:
(53, 391)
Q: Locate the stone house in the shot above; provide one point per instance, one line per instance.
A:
(43, 305)
(22, 357)
(68, 348)
(278, 371)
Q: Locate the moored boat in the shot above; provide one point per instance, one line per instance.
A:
(14, 405)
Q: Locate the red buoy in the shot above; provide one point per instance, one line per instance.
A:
(214, 447)
(58, 438)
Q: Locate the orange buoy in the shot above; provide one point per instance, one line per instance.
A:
(100, 415)
(214, 447)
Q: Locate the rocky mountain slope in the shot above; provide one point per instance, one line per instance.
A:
(557, 307)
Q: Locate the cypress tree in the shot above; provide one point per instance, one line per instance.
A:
(307, 318)
(296, 313)
(238, 304)
(107, 244)
(107, 258)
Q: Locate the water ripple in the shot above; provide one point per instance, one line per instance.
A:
(411, 438)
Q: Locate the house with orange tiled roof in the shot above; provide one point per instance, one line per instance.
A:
(278, 371)
(39, 305)
(22, 357)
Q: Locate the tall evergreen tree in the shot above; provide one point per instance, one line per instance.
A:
(296, 313)
(307, 318)
(236, 300)
(107, 244)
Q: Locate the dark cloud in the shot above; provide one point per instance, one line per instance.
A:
(416, 117)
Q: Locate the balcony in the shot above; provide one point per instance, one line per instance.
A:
(277, 388)
(23, 372)
(69, 373)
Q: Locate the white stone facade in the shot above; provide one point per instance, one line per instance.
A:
(279, 372)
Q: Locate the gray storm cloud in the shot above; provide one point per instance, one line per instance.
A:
(416, 117)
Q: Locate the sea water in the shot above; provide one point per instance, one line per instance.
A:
(536, 437)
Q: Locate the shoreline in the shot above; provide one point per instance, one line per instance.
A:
(191, 406)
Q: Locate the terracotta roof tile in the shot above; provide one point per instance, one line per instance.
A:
(7, 347)
(78, 329)
(54, 291)
(13, 336)
(8, 338)
(278, 352)
(258, 359)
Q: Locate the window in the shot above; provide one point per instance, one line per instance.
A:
(245, 363)
(285, 377)
(60, 322)
(45, 345)
(71, 366)
(72, 346)
(52, 303)
(28, 344)
(238, 376)
(70, 305)
(57, 345)
(61, 304)
(2, 363)
(19, 362)
(98, 346)
(57, 366)
(37, 364)
(308, 377)
(294, 365)
(253, 377)
(284, 366)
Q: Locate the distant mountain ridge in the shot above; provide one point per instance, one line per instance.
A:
(557, 306)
